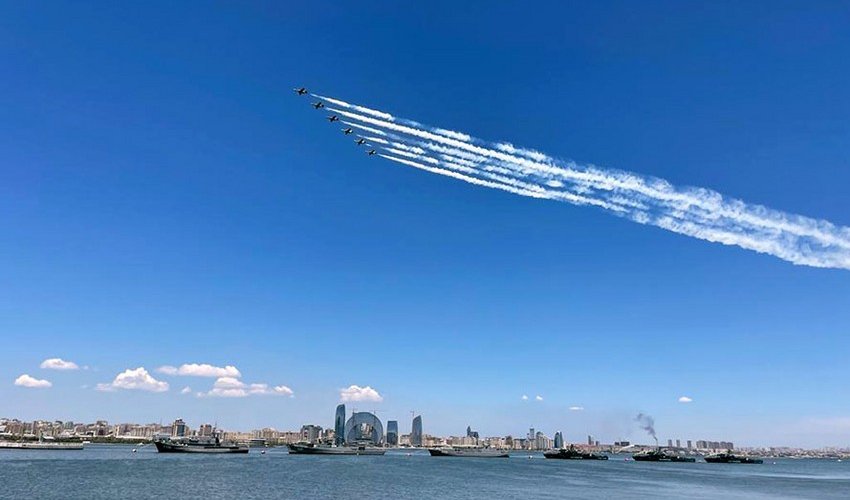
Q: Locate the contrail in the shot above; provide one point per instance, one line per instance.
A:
(696, 212)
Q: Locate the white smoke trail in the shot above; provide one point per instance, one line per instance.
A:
(695, 212)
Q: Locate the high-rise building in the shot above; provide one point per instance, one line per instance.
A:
(678, 443)
(471, 433)
(310, 433)
(205, 430)
(364, 427)
(559, 440)
(689, 445)
(531, 434)
(669, 443)
(541, 442)
(392, 433)
(178, 428)
(589, 440)
(339, 425)
(416, 432)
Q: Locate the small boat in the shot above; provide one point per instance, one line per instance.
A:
(467, 452)
(659, 456)
(729, 458)
(313, 449)
(572, 453)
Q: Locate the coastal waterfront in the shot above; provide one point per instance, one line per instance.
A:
(114, 471)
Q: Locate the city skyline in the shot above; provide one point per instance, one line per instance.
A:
(184, 235)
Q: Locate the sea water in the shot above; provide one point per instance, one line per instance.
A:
(116, 471)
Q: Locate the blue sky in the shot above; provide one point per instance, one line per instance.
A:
(166, 199)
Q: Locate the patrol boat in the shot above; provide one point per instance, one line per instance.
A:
(467, 451)
(657, 455)
(728, 458)
(572, 453)
(199, 444)
(313, 449)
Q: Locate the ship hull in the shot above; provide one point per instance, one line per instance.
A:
(40, 446)
(295, 449)
(206, 449)
(656, 458)
(733, 460)
(437, 452)
(565, 455)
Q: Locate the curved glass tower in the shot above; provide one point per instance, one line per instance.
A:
(339, 426)
(392, 433)
(416, 432)
(364, 428)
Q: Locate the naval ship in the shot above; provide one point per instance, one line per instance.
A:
(313, 449)
(467, 451)
(202, 444)
(43, 443)
(728, 458)
(657, 455)
(572, 453)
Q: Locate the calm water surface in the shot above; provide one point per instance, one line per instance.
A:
(114, 471)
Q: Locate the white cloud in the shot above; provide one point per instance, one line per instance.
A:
(200, 370)
(186, 390)
(538, 397)
(27, 381)
(357, 393)
(59, 364)
(685, 399)
(576, 408)
(136, 379)
(524, 397)
(231, 387)
(282, 389)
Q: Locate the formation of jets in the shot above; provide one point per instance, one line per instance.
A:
(334, 118)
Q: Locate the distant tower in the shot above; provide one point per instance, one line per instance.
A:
(339, 426)
(669, 443)
(392, 433)
(589, 440)
(678, 443)
(559, 440)
(178, 428)
(416, 432)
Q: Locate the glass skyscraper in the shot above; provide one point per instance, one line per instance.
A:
(416, 432)
(339, 426)
(364, 428)
(392, 433)
(559, 440)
